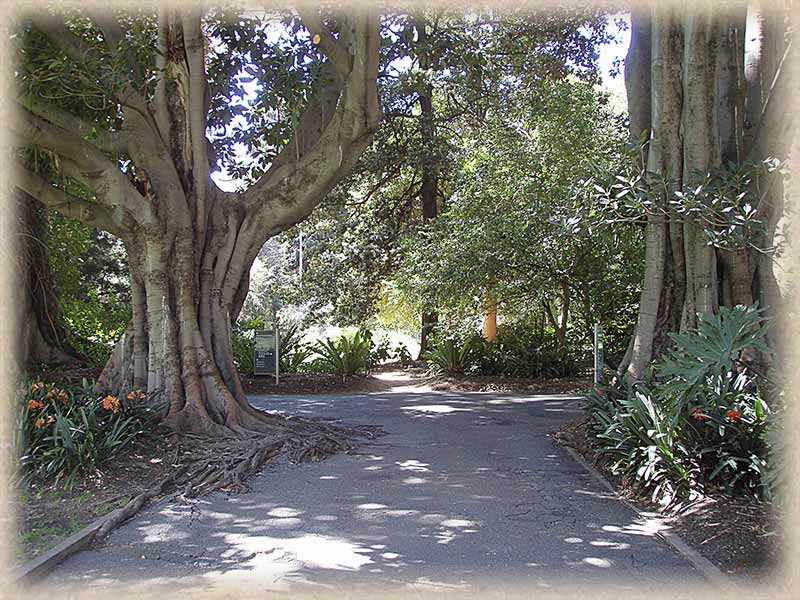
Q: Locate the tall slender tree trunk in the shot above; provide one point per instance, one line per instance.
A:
(490, 320)
(430, 168)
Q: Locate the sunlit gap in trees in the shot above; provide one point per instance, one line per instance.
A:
(276, 31)
(611, 60)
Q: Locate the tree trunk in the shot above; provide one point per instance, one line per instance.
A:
(564, 318)
(190, 245)
(42, 339)
(430, 168)
(665, 160)
(179, 341)
(490, 320)
(706, 109)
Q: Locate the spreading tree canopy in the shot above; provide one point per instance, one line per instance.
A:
(125, 105)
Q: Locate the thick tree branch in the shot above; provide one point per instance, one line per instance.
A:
(35, 130)
(193, 43)
(331, 47)
(113, 34)
(298, 180)
(111, 186)
(105, 140)
(159, 103)
(89, 213)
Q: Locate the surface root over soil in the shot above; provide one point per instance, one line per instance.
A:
(203, 464)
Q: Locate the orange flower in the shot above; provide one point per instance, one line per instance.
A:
(39, 422)
(34, 404)
(37, 386)
(51, 419)
(135, 394)
(111, 403)
(63, 396)
(733, 415)
(699, 414)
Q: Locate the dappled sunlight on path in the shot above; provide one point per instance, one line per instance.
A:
(462, 487)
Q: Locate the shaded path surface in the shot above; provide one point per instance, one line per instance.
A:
(465, 490)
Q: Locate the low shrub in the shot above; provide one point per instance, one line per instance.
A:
(292, 352)
(70, 432)
(294, 361)
(449, 356)
(515, 359)
(401, 353)
(519, 351)
(243, 358)
(345, 355)
(642, 439)
(702, 418)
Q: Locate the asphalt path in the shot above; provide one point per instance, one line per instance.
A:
(466, 491)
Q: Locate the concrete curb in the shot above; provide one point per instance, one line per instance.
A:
(708, 569)
(48, 561)
(42, 565)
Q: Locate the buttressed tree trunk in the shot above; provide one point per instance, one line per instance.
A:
(698, 79)
(191, 245)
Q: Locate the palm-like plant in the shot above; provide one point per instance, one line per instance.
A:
(345, 355)
(447, 356)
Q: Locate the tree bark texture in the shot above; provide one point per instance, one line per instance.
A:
(703, 96)
(191, 245)
(42, 339)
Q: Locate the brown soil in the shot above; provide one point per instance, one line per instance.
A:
(48, 512)
(739, 534)
(308, 383)
(463, 383)
(66, 376)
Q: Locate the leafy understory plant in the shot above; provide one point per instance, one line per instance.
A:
(447, 356)
(703, 418)
(69, 432)
(345, 355)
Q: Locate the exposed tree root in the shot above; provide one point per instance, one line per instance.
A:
(204, 464)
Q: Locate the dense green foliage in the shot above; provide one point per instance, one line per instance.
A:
(701, 420)
(506, 227)
(90, 270)
(449, 356)
(68, 432)
(345, 355)
(473, 67)
(520, 351)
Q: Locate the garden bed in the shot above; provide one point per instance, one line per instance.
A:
(741, 535)
(47, 512)
(308, 383)
(471, 383)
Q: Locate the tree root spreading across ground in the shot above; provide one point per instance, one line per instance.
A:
(203, 464)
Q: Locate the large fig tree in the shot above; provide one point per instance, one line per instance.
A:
(141, 150)
(707, 91)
